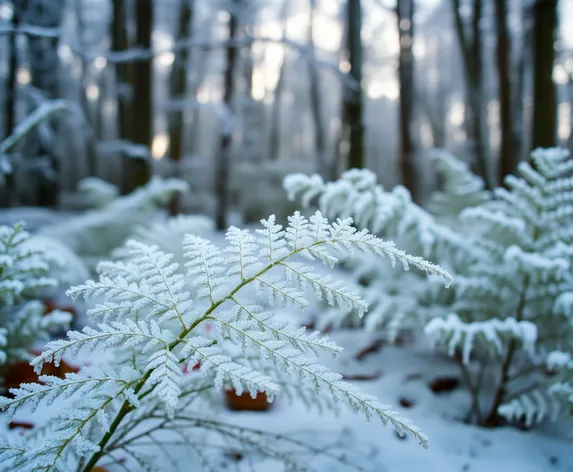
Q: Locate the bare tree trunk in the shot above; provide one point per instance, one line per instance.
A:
(275, 138)
(44, 68)
(353, 115)
(521, 68)
(472, 61)
(405, 16)
(139, 170)
(178, 90)
(91, 141)
(507, 163)
(224, 155)
(316, 102)
(11, 83)
(7, 190)
(544, 92)
(120, 41)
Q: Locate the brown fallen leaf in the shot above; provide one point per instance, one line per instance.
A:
(51, 305)
(372, 348)
(406, 403)
(444, 384)
(246, 402)
(20, 424)
(22, 372)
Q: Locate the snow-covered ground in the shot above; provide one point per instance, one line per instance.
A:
(404, 374)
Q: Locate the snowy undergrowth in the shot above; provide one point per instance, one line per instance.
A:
(507, 320)
(154, 327)
(23, 276)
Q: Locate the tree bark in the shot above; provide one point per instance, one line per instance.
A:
(507, 163)
(91, 140)
(224, 155)
(316, 102)
(44, 67)
(139, 170)
(11, 83)
(120, 41)
(405, 17)
(275, 138)
(472, 62)
(544, 92)
(178, 91)
(522, 66)
(353, 119)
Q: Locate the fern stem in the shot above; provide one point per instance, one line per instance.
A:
(126, 407)
(472, 388)
(492, 418)
(123, 411)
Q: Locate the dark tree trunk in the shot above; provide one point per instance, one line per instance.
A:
(178, 91)
(275, 138)
(316, 102)
(139, 170)
(353, 119)
(472, 62)
(544, 93)
(44, 67)
(521, 70)
(120, 41)
(223, 160)
(405, 16)
(507, 163)
(91, 141)
(11, 83)
(7, 189)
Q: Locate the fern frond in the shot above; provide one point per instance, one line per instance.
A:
(128, 334)
(205, 265)
(204, 350)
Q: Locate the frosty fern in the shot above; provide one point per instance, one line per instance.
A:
(155, 326)
(22, 277)
(507, 318)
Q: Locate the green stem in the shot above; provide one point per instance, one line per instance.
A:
(126, 408)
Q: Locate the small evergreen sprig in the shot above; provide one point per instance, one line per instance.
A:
(155, 326)
(23, 275)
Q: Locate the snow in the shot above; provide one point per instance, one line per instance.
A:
(406, 371)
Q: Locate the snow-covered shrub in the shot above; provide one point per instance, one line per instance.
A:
(154, 328)
(22, 277)
(93, 235)
(460, 188)
(396, 303)
(508, 307)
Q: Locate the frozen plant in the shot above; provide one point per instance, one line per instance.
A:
(94, 234)
(396, 303)
(460, 188)
(510, 306)
(22, 277)
(155, 327)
